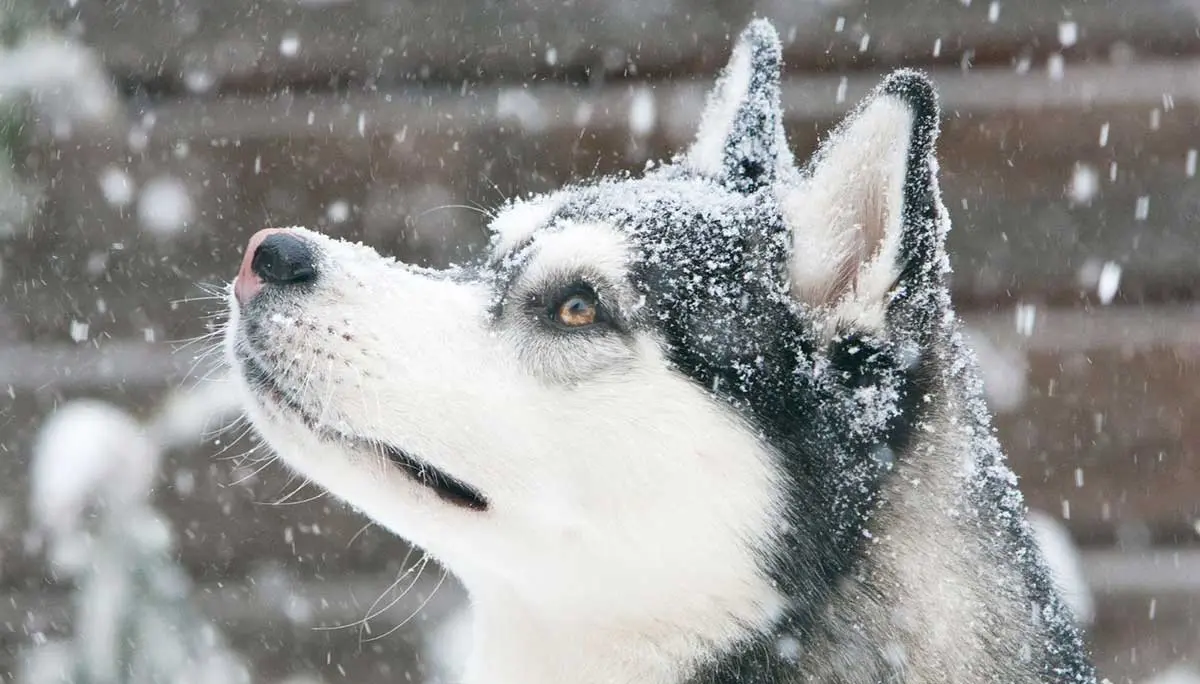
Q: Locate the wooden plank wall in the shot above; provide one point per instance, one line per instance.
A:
(1069, 149)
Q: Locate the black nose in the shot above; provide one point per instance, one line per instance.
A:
(284, 259)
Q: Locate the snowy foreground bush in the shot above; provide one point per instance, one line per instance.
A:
(134, 621)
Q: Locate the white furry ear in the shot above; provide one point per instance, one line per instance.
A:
(866, 209)
(741, 139)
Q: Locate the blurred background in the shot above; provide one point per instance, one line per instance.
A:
(143, 141)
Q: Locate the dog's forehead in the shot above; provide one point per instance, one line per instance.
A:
(517, 223)
(655, 203)
(657, 211)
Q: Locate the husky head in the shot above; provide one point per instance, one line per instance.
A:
(661, 407)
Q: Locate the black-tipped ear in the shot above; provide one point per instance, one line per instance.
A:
(867, 220)
(923, 294)
(741, 139)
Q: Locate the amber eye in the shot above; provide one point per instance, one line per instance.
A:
(577, 311)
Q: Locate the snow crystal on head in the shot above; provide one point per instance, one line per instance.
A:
(712, 241)
(518, 222)
(709, 245)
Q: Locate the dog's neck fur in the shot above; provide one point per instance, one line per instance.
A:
(513, 644)
(592, 623)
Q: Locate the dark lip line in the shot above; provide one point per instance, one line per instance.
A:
(445, 486)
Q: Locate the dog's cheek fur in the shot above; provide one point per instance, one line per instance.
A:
(601, 549)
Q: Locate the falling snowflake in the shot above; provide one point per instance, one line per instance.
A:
(289, 45)
(117, 186)
(164, 206)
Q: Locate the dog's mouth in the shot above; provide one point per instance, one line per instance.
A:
(446, 487)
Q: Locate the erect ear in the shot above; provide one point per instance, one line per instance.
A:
(866, 216)
(741, 140)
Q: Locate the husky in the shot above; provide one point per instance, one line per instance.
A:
(710, 424)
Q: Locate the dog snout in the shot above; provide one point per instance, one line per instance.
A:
(274, 256)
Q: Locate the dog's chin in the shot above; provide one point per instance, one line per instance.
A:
(277, 399)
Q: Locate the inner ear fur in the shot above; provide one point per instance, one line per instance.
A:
(867, 222)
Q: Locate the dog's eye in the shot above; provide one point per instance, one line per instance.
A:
(577, 311)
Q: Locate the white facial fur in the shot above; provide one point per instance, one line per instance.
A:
(609, 477)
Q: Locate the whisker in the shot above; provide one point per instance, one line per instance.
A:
(420, 568)
(213, 349)
(284, 502)
(216, 432)
(503, 198)
(357, 534)
(433, 592)
(190, 299)
(478, 210)
(256, 471)
(189, 341)
(312, 364)
(303, 483)
(327, 402)
(246, 431)
(371, 612)
(212, 374)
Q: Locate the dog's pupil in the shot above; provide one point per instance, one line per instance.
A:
(577, 311)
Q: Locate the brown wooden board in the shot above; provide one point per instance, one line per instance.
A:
(203, 47)
(1108, 439)
(1096, 409)
(1138, 637)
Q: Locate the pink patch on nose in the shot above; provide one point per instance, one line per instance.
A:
(248, 283)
